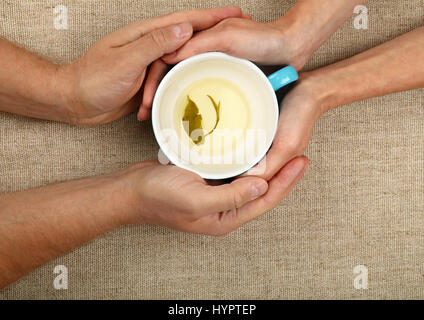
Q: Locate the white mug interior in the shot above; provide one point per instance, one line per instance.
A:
(263, 115)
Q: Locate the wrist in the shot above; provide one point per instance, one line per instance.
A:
(120, 198)
(321, 88)
(128, 182)
(65, 84)
(295, 46)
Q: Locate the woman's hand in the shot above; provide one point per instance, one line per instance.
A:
(241, 37)
(104, 84)
(179, 199)
(300, 109)
(264, 43)
(290, 40)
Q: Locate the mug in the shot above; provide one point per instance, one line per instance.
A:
(264, 112)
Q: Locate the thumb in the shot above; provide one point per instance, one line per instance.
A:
(278, 187)
(233, 195)
(205, 41)
(159, 42)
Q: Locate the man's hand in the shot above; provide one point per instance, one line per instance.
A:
(264, 43)
(181, 200)
(104, 83)
(290, 40)
(40, 224)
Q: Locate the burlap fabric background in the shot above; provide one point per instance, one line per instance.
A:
(360, 203)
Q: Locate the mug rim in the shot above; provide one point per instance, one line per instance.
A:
(196, 58)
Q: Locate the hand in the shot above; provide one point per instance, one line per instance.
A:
(104, 84)
(179, 199)
(300, 109)
(265, 43)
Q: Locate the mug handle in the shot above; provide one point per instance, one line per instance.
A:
(283, 77)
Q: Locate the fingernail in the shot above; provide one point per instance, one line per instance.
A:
(182, 30)
(299, 168)
(258, 170)
(139, 116)
(258, 189)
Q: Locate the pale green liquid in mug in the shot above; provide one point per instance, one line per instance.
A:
(234, 108)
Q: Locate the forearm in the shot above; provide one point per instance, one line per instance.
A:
(39, 225)
(310, 23)
(394, 66)
(31, 86)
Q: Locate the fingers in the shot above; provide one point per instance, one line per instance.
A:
(156, 73)
(271, 164)
(155, 44)
(199, 19)
(231, 196)
(209, 40)
(292, 137)
(274, 159)
(278, 188)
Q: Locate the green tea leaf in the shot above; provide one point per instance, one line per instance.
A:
(216, 106)
(194, 120)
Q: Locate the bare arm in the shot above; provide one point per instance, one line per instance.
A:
(290, 40)
(31, 86)
(394, 66)
(103, 85)
(310, 23)
(38, 225)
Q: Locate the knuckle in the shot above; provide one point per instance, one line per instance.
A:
(75, 121)
(227, 45)
(293, 144)
(237, 199)
(193, 49)
(193, 207)
(227, 24)
(269, 205)
(220, 233)
(158, 37)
